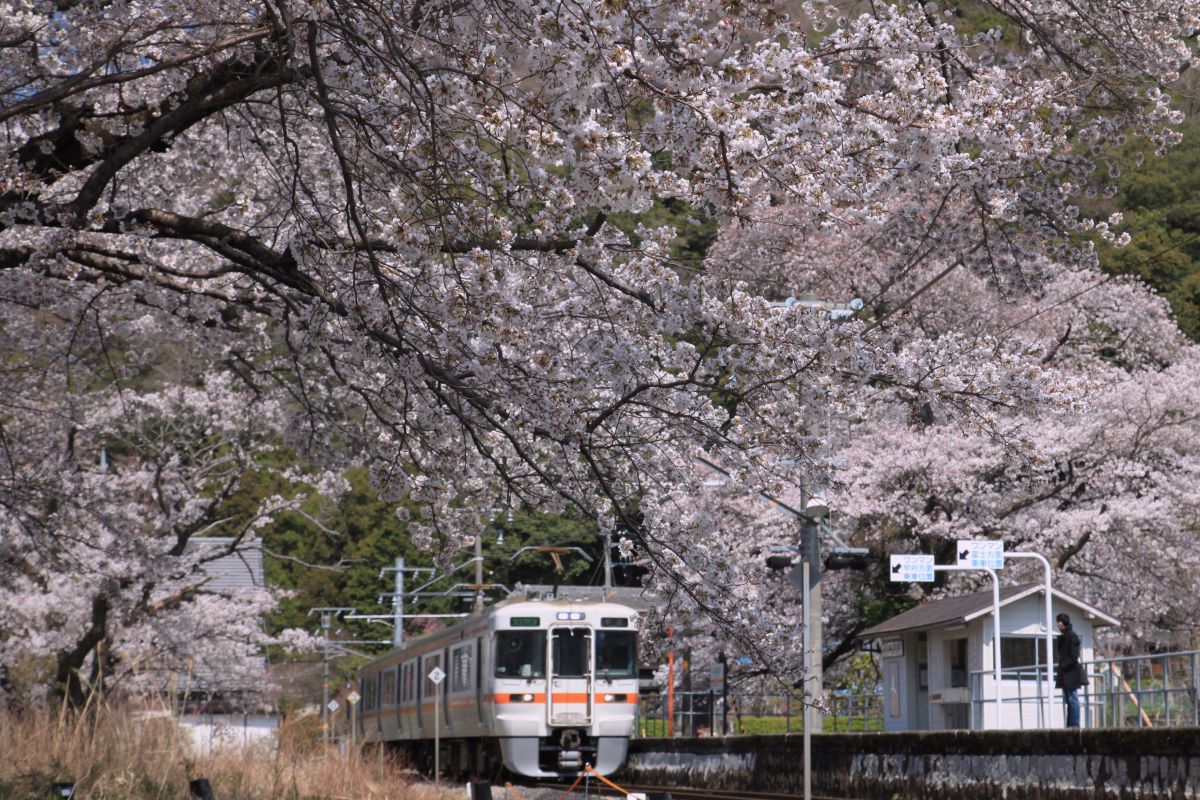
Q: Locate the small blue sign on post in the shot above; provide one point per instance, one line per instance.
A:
(911, 568)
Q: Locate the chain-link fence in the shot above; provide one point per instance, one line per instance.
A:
(1154, 690)
(1150, 690)
(708, 713)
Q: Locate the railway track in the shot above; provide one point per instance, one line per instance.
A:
(674, 793)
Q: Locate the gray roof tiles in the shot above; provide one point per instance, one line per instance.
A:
(241, 569)
(963, 608)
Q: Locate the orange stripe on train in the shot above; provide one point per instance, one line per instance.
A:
(516, 698)
(506, 698)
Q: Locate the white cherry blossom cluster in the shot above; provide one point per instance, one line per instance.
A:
(1100, 481)
(402, 227)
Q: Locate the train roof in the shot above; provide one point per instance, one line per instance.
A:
(559, 606)
(631, 596)
(529, 601)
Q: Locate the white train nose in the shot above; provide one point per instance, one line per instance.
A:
(545, 687)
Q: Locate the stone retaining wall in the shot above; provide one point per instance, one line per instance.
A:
(941, 765)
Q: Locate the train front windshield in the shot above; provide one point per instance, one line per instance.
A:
(616, 654)
(572, 648)
(521, 654)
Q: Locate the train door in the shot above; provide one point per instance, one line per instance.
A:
(389, 710)
(446, 687)
(569, 699)
(419, 679)
(479, 682)
(408, 695)
(401, 699)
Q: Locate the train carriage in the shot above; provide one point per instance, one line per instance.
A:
(543, 686)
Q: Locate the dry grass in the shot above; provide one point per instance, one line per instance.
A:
(112, 754)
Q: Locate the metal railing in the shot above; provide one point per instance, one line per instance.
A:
(1150, 690)
(703, 713)
(1156, 690)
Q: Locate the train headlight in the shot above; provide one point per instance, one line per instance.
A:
(615, 698)
(520, 698)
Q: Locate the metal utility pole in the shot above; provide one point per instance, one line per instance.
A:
(325, 625)
(809, 513)
(724, 693)
(327, 616)
(671, 682)
(398, 604)
(810, 548)
(479, 572)
(398, 595)
(809, 711)
(608, 575)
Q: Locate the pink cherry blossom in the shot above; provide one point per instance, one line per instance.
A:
(390, 232)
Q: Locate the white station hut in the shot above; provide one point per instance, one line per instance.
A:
(938, 672)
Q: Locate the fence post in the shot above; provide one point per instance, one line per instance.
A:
(1086, 719)
(1120, 700)
(1195, 694)
(1166, 684)
(1138, 693)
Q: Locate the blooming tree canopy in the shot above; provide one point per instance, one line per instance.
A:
(1102, 487)
(397, 220)
(106, 493)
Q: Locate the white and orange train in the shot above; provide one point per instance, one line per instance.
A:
(544, 686)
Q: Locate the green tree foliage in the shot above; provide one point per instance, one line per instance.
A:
(1160, 199)
(695, 231)
(332, 554)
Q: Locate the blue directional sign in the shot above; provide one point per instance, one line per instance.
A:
(981, 553)
(911, 568)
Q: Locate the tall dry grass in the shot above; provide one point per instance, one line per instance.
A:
(116, 754)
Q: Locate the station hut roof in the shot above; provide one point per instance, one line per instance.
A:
(965, 608)
(241, 568)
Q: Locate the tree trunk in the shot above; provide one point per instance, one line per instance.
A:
(67, 681)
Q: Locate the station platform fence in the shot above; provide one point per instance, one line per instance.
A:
(707, 713)
(1153, 690)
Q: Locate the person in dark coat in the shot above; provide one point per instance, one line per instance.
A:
(1070, 671)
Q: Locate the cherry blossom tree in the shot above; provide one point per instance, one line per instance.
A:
(1102, 487)
(119, 451)
(398, 218)
(99, 584)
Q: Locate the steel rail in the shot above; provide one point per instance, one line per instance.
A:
(684, 793)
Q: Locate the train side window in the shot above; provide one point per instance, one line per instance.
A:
(369, 691)
(431, 662)
(389, 688)
(460, 669)
(520, 654)
(616, 654)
